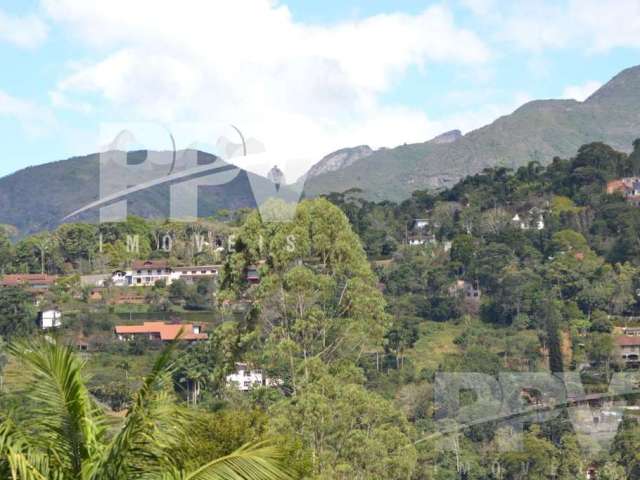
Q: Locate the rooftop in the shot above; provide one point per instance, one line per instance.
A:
(140, 264)
(167, 331)
(628, 341)
(28, 278)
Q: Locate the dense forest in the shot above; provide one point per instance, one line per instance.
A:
(360, 306)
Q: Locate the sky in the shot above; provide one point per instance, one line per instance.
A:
(302, 78)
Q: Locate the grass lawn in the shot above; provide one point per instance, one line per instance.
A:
(436, 340)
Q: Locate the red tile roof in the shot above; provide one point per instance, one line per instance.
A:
(27, 278)
(628, 341)
(166, 331)
(142, 264)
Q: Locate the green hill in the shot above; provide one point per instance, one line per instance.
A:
(538, 130)
(40, 197)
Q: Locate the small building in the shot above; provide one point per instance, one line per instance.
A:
(629, 346)
(469, 290)
(121, 278)
(161, 331)
(253, 277)
(629, 187)
(533, 219)
(194, 273)
(33, 282)
(244, 378)
(49, 319)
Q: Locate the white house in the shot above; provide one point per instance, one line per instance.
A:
(49, 319)
(146, 273)
(244, 378)
(193, 274)
(121, 278)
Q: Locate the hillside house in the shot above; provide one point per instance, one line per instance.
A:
(253, 277)
(469, 290)
(629, 346)
(49, 319)
(245, 378)
(121, 278)
(147, 272)
(531, 220)
(33, 282)
(192, 274)
(629, 187)
(161, 331)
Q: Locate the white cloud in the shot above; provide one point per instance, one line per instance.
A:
(581, 92)
(28, 31)
(302, 89)
(34, 119)
(590, 25)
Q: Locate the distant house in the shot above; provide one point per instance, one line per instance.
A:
(469, 290)
(629, 187)
(253, 276)
(121, 278)
(533, 219)
(629, 346)
(145, 273)
(245, 378)
(34, 282)
(148, 272)
(193, 274)
(161, 331)
(49, 319)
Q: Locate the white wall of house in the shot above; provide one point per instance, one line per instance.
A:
(244, 379)
(147, 277)
(50, 319)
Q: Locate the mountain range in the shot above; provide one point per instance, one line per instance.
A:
(41, 197)
(537, 131)
(44, 196)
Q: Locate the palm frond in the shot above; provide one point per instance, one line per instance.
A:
(259, 461)
(68, 421)
(153, 417)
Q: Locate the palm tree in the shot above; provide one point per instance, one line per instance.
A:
(64, 433)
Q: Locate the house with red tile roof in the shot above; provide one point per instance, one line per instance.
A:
(629, 346)
(34, 282)
(161, 331)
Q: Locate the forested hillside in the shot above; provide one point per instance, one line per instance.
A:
(351, 312)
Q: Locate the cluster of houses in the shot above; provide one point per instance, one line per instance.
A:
(244, 378)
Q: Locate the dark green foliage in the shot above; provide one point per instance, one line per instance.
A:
(17, 316)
